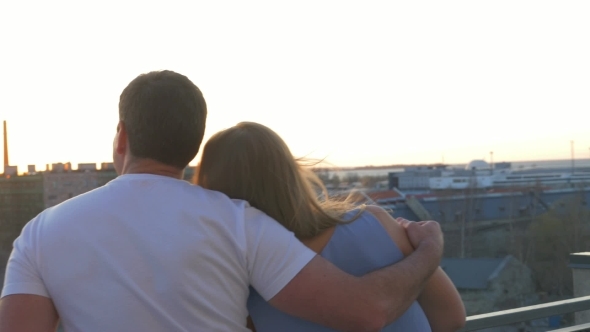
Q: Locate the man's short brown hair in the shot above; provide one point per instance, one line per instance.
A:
(164, 114)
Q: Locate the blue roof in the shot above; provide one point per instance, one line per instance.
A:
(473, 273)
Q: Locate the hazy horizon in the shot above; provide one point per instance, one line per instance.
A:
(565, 163)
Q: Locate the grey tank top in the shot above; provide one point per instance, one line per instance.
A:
(356, 248)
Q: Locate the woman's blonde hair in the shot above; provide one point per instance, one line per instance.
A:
(251, 162)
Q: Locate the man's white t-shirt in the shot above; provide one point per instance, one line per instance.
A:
(153, 253)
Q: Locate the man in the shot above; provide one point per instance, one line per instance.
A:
(150, 252)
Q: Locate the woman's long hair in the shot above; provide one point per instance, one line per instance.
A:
(251, 162)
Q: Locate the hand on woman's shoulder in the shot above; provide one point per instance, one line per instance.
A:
(395, 230)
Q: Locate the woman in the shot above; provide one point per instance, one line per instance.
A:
(251, 162)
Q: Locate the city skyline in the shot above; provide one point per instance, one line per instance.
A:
(375, 83)
(108, 165)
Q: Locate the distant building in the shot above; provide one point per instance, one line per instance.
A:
(502, 166)
(107, 166)
(491, 284)
(10, 170)
(61, 167)
(87, 167)
(60, 186)
(414, 178)
(21, 199)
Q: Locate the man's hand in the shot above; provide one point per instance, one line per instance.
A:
(424, 233)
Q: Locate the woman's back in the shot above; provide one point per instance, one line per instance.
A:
(356, 248)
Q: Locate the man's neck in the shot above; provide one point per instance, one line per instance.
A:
(149, 166)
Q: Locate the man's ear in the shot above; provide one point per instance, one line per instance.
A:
(121, 139)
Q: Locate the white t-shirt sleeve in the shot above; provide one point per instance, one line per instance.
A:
(274, 255)
(22, 272)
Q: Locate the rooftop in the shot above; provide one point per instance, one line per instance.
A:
(473, 273)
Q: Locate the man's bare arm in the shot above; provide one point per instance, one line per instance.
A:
(326, 295)
(27, 313)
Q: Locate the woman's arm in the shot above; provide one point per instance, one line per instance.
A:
(440, 300)
(442, 303)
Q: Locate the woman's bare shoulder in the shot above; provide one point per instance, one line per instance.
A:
(393, 228)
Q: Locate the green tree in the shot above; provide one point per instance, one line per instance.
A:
(552, 237)
(351, 177)
(335, 180)
(324, 175)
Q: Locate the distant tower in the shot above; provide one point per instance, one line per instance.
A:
(5, 147)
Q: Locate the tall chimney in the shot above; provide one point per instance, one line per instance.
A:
(5, 147)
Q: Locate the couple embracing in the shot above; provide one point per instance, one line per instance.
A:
(251, 245)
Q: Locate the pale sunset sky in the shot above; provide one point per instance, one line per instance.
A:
(358, 82)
